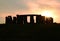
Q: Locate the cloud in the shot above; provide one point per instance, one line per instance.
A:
(25, 5)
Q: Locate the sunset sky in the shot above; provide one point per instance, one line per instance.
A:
(13, 7)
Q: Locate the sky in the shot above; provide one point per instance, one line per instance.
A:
(13, 7)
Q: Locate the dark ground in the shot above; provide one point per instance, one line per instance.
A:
(29, 32)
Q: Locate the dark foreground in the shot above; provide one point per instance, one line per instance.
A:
(29, 32)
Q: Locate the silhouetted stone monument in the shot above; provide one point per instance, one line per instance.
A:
(19, 19)
(25, 19)
(14, 20)
(31, 19)
(9, 20)
(43, 20)
(49, 20)
(38, 19)
(22, 19)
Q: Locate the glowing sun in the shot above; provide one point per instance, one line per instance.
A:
(47, 13)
